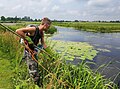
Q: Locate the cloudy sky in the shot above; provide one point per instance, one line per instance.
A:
(62, 9)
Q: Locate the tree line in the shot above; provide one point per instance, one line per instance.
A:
(27, 18)
(16, 19)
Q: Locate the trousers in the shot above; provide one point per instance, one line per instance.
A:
(32, 67)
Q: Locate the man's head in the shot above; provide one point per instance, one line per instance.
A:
(46, 22)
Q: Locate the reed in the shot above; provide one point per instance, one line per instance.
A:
(55, 73)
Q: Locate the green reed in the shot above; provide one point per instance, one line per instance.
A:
(54, 73)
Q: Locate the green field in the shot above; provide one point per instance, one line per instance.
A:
(92, 26)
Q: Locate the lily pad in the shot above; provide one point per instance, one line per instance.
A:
(70, 50)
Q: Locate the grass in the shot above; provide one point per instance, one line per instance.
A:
(5, 73)
(92, 26)
(55, 73)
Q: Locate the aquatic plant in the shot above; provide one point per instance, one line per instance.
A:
(71, 50)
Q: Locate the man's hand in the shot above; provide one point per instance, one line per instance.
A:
(28, 39)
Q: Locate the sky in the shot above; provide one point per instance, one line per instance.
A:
(91, 10)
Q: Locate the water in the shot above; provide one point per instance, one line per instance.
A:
(108, 45)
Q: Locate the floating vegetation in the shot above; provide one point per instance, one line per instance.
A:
(69, 50)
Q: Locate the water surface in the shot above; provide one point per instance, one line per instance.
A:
(108, 45)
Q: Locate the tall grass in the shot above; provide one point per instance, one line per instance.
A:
(54, 73)
(8, 44)
(92, 26)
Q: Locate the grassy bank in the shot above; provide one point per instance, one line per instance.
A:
(55, 72)
(5, 74)
(92, 26)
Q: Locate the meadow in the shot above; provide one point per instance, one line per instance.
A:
(55, 72)
(102, 27)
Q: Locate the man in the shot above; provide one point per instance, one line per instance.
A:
(32, 36)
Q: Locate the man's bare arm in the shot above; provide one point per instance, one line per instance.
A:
(22, 31)
(43, 42)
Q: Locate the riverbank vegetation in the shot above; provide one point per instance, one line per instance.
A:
(102, 27)
(15, 26)
(55, 72)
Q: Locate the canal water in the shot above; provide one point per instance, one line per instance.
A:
(108, 45)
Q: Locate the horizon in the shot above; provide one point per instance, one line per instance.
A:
(77, 20)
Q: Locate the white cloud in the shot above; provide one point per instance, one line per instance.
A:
(62, 9)
(98, 2)
(16, 7)
(66, 1)
(55, 8)
(73, 12)
(1, 5)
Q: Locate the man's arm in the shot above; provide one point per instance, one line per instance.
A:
(43, 42)
(22, 31)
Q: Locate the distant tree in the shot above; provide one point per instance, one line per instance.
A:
(3, 18)
(9, 18)
(55, 20)
(39, 20)
(16, 19)
(26, 18)
(118, 21)
(36, 20)
(76, 21)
